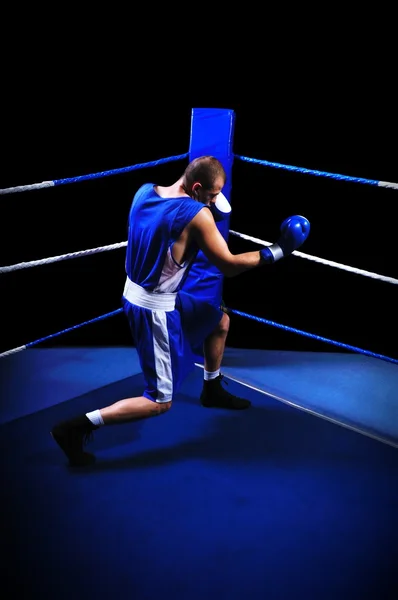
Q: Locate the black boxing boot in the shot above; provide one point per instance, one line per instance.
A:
(71, 436)
(215, 396)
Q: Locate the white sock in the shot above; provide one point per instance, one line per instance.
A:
(211, 374)
(95, 418)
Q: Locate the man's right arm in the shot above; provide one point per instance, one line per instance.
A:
(204, 232)
(294, 232)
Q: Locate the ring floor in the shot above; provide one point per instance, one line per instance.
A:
(295, 497)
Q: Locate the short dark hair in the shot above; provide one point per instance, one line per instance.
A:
(205, 169)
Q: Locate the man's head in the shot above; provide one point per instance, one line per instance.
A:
(204, 178)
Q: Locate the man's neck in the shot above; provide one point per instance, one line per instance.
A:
(175, 190)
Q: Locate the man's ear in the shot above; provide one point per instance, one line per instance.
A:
(195, 187)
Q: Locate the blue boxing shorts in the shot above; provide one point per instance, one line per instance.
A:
(168, 331)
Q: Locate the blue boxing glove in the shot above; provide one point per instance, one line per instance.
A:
(294, 232)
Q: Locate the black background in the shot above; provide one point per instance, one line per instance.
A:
(53, 130)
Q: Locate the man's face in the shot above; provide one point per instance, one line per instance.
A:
(208, 196)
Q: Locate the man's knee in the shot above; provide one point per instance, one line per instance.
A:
(223, 325)
(161, 407)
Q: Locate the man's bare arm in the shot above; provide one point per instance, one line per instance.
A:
(204, 232)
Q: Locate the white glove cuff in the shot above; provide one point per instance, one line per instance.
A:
(276, 251)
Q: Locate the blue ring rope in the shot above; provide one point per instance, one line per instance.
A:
(313, 336)
(153, 163)
(57, 182)
(229, 311)
(336, 176)
(53, 335)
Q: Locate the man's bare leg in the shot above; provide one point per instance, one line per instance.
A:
(213, 394)
(132, 409)
(214, 346)
(71, 435)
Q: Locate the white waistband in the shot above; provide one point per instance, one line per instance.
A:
(137, 295)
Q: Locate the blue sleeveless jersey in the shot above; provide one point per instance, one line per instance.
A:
(155, 223)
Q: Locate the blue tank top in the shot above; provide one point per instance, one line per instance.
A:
(155, 223)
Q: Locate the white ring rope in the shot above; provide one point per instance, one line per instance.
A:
(51, 259)
(329, 263)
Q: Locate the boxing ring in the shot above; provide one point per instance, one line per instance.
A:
(297, 497)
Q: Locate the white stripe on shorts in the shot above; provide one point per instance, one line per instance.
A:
(161, 347)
